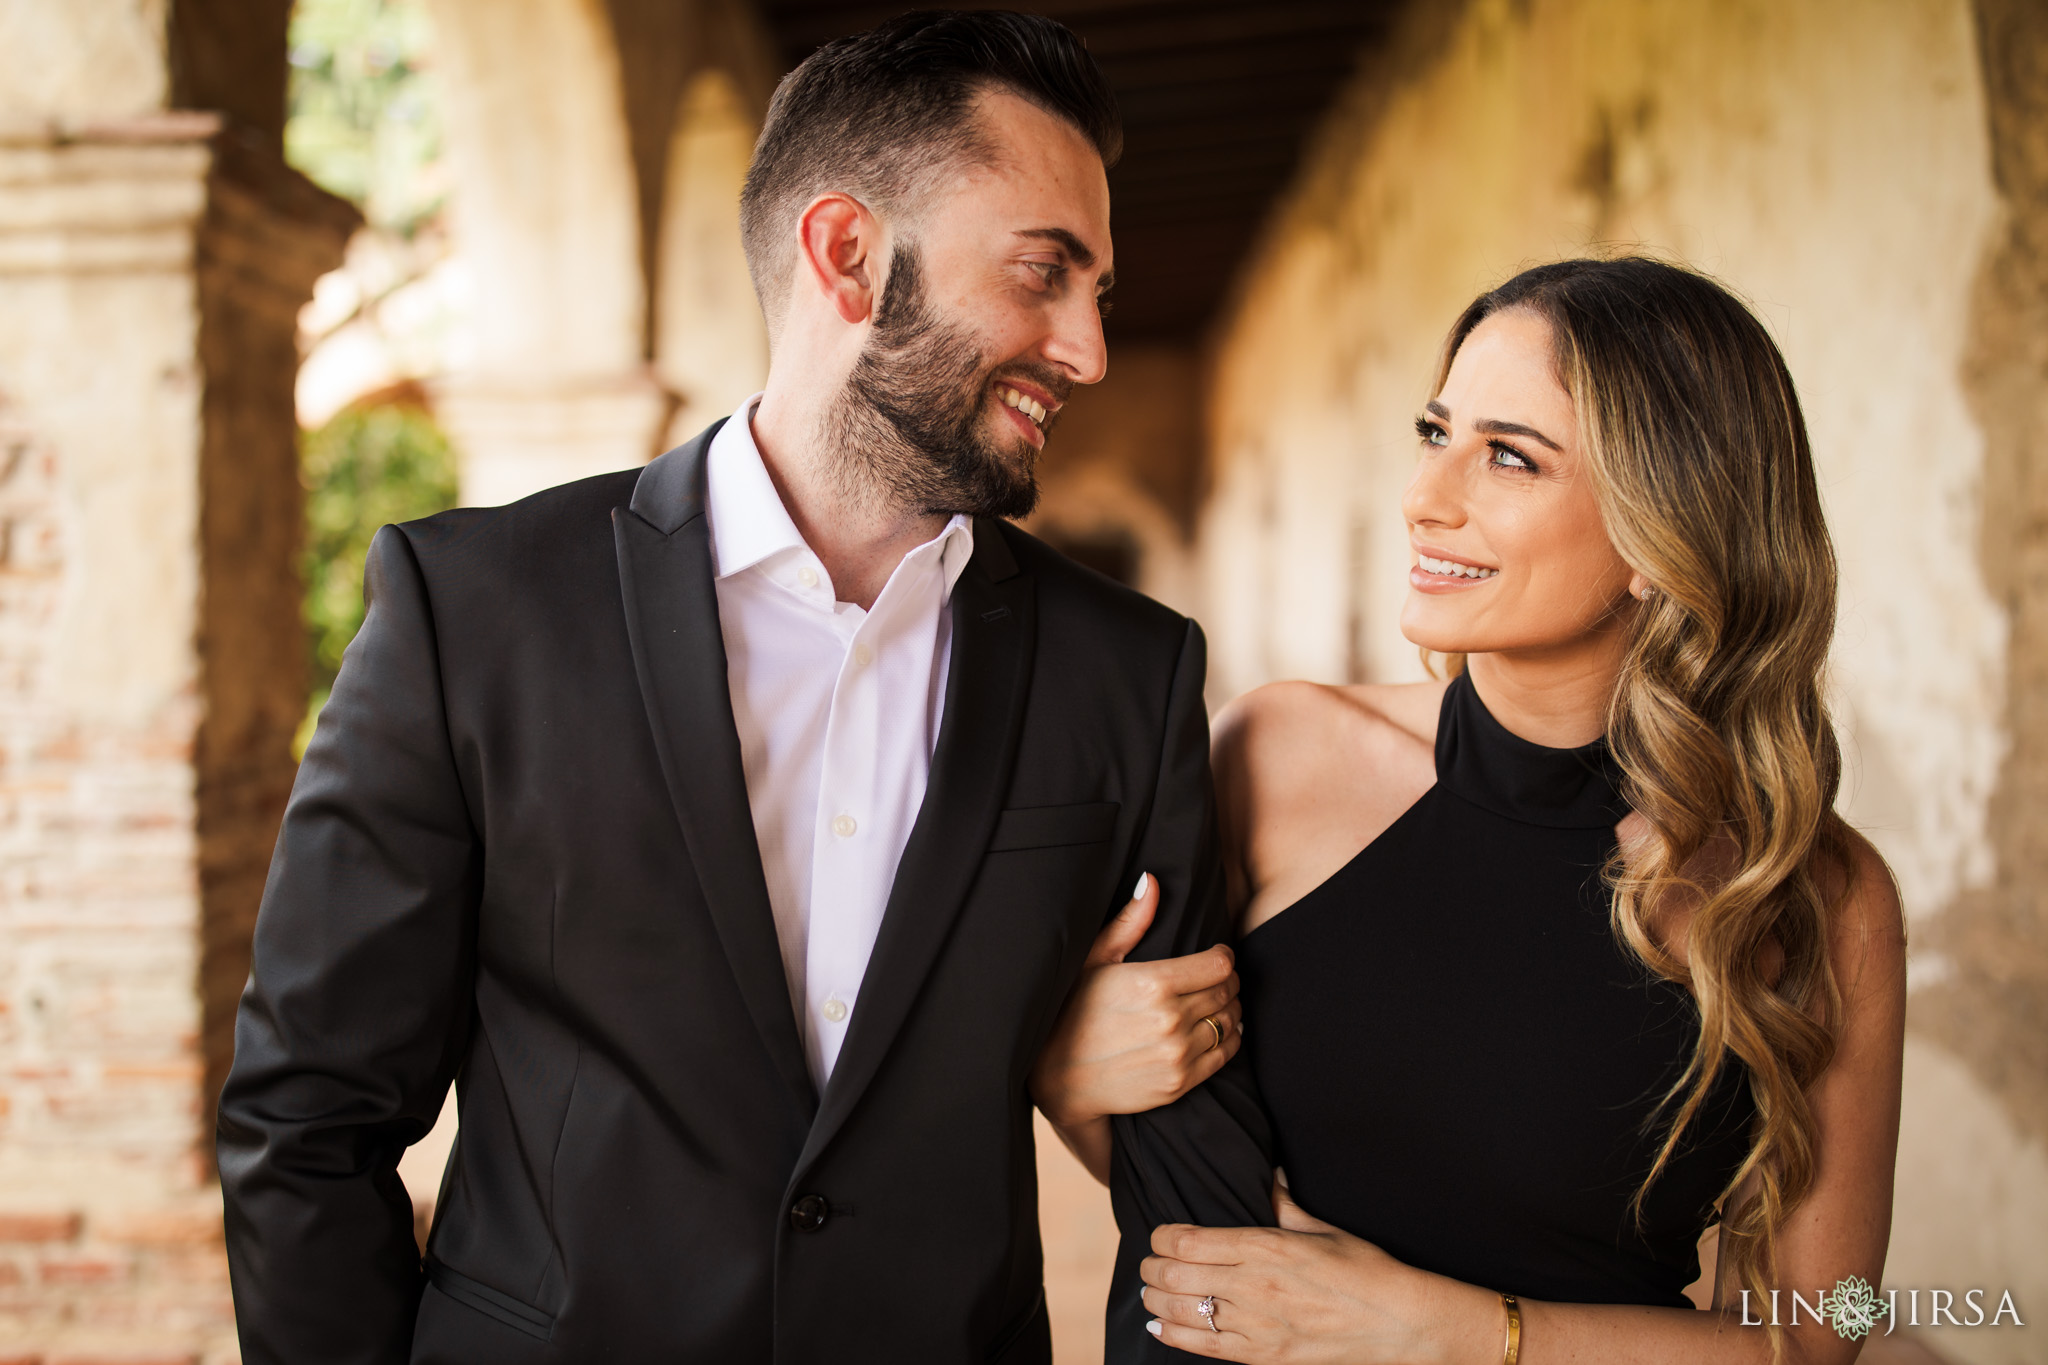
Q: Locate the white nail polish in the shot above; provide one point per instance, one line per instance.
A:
(1153, 1327)
(1144, 882)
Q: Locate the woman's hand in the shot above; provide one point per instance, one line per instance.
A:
(1133, 1035)
(1307, 1293)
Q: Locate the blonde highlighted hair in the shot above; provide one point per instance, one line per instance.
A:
(1698, 454)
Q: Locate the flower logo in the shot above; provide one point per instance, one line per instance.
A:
(1853, 1308)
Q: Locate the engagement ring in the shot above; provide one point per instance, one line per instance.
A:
(1207, 1308)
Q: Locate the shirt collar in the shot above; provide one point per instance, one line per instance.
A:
(749, 524)
(748, 521)
(956, 548)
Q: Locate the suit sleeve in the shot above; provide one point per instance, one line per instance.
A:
(1207, 1157)
(358, 1002)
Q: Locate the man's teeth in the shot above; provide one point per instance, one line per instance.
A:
(1445, 566)
(1029, 407)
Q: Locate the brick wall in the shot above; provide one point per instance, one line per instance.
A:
(150, 670)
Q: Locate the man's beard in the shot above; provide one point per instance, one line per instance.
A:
(910, 426)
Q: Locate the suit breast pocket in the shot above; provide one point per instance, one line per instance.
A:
(1090, 822)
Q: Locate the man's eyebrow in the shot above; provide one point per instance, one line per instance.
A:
(1065, 240)
(1493, 426)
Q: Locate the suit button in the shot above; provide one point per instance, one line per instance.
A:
(809, 1213)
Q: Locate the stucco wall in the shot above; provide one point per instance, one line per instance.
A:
(1832, 161)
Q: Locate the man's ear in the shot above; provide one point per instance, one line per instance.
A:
(837, 244)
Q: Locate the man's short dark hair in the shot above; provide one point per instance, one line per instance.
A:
(875, 114)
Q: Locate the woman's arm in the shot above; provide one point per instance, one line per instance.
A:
(1308, 1292)
(1131, 1037)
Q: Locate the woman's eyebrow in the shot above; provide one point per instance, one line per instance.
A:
(1493, 427)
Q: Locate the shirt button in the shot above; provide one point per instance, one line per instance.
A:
(807, 576)
(834, 1011)
(843, 826)
(862, 655)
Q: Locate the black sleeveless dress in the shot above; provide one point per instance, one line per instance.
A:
(1460, 1061)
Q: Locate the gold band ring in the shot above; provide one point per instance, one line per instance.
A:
(1216, 1029)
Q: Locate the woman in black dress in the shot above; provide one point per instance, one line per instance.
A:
(1548, 969)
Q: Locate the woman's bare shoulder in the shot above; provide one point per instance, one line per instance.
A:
(1292, 723)
(1409, 708)
(1308, 774)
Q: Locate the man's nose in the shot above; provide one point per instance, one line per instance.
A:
(1077, 344)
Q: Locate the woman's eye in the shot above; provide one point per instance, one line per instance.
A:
(1507, 457)
(1431, 433)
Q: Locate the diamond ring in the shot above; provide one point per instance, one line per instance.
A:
(1207, 1308)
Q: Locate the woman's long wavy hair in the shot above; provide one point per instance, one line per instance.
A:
(1698, 454)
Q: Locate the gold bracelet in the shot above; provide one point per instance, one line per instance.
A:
(1512, 1352)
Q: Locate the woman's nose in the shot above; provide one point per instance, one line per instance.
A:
(1432, 494)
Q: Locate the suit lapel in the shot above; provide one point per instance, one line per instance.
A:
(666, 576)
(994, 634)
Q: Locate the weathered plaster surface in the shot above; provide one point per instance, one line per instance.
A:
(99, 604)
(73, 63)
(1968, 1167)
(1986, 988)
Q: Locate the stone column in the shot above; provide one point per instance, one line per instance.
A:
(151, 671)
(553, 382)
(711, 345)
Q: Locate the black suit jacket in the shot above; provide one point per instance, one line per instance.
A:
(519, 857)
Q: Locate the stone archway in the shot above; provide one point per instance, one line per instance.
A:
(552, 383)
(710, 343)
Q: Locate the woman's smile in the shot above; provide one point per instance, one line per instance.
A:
(1439, 573)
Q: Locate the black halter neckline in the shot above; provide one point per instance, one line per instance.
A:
(1479, 760)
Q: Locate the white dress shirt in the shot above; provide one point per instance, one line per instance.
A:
(837, 710)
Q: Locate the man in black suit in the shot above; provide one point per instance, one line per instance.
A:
(729, 832)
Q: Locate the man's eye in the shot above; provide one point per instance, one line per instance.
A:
(1047, 270)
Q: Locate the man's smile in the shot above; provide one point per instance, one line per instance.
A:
(1028, 408)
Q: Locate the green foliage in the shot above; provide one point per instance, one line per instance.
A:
(364, 122)
(366, 468)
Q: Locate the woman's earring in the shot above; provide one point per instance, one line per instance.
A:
(1646, 594)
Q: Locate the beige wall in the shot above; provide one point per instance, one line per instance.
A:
(1830, 159)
